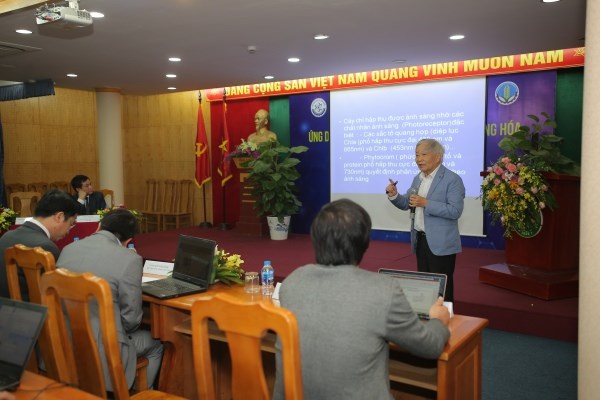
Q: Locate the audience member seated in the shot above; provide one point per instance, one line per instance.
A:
(54, 216)
(105, 254)
(89, 201)
(262, 134)
(347, 315)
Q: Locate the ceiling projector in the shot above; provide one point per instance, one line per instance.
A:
(65, 15)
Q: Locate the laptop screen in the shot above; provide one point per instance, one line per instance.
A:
(420, 288)
(21, 324)
(194, 259)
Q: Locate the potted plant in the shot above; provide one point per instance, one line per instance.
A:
(539, 149)
(273, 175)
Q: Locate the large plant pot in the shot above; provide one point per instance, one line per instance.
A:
(279, 230)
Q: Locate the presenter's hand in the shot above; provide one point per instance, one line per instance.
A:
(391, 189)
(439, 311)
(81, 194)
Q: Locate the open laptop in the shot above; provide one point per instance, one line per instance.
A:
(20, 326)
(421, 289)
(191, 272)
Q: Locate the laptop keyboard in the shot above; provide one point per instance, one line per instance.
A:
(173, 285)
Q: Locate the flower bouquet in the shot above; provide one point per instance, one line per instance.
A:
(138, 215)
(515, 194)
(7, 218)
(227, 268)
(243, 153)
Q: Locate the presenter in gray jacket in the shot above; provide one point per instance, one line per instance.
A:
(347, 315)
(436, 199)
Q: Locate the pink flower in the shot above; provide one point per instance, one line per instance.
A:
(511, 167)
(498, 170)
(519, 190)
(544, 188)
(497, 182)
(534, 190)
(505, 160)
(542, 205)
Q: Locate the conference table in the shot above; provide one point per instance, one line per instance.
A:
(38, 387)
(456, 374)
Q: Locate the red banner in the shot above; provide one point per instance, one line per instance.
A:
(225, 166)
(202, 158)
(551, 59)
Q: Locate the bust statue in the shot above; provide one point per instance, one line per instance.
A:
(262, 134)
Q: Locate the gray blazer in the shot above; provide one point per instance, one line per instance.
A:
(102, 255)
(30, 235)
(346, 317)
(445, 203)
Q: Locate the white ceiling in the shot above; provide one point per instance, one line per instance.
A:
(128, 49)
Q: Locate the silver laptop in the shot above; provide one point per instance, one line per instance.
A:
(421, 289)
(20, 326)
(191, 271)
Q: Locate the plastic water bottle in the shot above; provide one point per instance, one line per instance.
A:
(131, 246)
(76, 238)
(267, 278)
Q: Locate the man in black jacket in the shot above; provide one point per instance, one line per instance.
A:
(89, 201)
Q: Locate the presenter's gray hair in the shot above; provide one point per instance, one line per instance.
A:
(432, 145)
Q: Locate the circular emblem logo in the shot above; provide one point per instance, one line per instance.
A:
(506, 93)
(318, 107)
(537, 221)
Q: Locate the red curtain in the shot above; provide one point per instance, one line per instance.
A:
(240, 124)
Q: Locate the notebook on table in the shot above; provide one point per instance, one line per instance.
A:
(191, 272)
(421, 289)
(20, 326)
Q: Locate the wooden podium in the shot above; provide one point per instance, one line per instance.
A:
(547, 265)
(249, 223)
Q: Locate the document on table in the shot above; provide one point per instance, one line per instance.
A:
(154, 270)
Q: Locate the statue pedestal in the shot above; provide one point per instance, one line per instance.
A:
(546, 265)
(249, 223)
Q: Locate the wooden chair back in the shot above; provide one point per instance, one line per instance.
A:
(180, 205)
(151, 219)
(151, 195)
(109, 197)
(14, 187)
(75, 351)
(40, 187)
(170, 196)
(244, 324)
(62, 185)
(24, 202)
(32, 262)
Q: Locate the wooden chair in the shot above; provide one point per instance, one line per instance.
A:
(62, 185)
(40, 187)
(14, 187)
(75, 352)
(24, 202)
(152, 207)
(109, 197)
(244, 324)
(32, 262)
(179, 204)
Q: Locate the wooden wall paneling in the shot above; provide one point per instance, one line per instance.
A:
(73, 108)
(24, 111)
(22, 144)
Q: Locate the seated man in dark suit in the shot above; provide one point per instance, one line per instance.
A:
(89, 201)
(54, 216)
(347, 315)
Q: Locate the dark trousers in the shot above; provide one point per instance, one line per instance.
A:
(429, 262)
